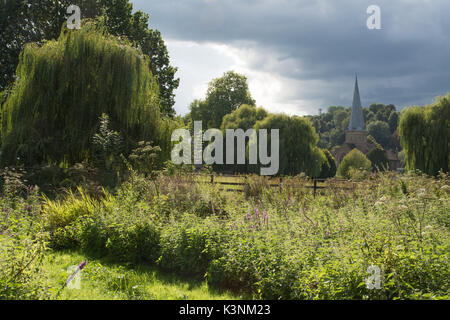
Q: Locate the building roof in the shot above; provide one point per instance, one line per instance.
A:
(356, 119)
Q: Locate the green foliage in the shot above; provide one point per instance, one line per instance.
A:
(224, 95)
(393, 121)
(380, 131)
(23, 22)
(189, 246)
(13, 182)
(106, 146)
(281, 245)
(144, 158)
(244, 117)
(69, 83)
(117, 227)
(255, 186)
(328, 169)
(424, 134)
(22, 248)
(331, 125)
(378, 158)
(298, 139)
(58, 214)
(355, 159)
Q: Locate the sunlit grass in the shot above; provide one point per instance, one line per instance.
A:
(101, 280)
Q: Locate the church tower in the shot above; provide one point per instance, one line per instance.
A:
(356, 133)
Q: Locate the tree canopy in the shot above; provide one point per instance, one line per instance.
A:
(331, 125)
(355, 159)
(424, 134)
(62, 89)
(224, 95)
(244, 117)
(298, 139)
(380, 131)
(22, 22)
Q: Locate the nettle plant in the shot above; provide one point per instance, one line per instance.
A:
(107, 146)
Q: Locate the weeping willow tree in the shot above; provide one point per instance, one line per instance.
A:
(298, 151)
(62, 89)
(425, 135)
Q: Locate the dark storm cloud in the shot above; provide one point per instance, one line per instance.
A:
(406, 62)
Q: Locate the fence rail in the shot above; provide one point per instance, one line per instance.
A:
(315, 183)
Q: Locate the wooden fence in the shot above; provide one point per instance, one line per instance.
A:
(316, 184)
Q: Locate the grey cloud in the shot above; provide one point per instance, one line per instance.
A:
(407, 62)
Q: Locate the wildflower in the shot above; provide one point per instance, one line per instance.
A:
(248, 216)
(82, 265)
(265, 218)
(256, 213)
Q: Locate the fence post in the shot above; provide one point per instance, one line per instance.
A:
(315, 187)
(281, 181)
(212, 178)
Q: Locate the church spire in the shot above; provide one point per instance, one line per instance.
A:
(356, 119)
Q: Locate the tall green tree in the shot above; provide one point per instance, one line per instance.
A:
(244, 117)
(380, 131)
(328, 169)
(298, 139)
(425, 134)
(64, 86)
(393, 121)
(23, 22)
(224, 95)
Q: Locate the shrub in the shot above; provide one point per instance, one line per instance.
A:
(378, 158)
(189, 246)
(58, 214)
(255, 186)
(22, 247)
(354, 159)
(328, 169)
(256, 265)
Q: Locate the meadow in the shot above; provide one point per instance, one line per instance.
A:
(175, 237)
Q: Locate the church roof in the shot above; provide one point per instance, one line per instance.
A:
(356, 119)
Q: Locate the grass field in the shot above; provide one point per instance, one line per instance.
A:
(175, 238)
(103, 280)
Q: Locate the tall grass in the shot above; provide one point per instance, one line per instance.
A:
(272, 243)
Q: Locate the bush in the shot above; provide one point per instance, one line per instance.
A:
(58, 214)
(288, 245)
(189, 246)
(22, 248)
(119, 227)
(255, 186)
(328, 169)
(378, 158)
(354, 159)
(255, 264)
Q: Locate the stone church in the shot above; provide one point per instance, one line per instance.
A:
(356, 135)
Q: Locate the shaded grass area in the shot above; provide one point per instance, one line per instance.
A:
(104, 280)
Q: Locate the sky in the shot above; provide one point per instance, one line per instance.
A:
(300, 56)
